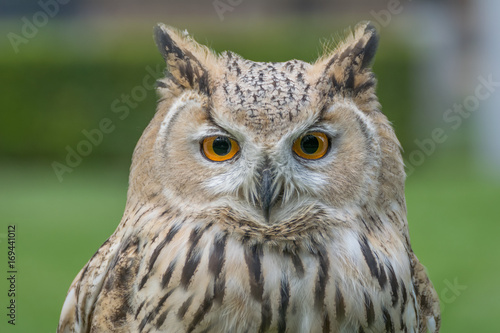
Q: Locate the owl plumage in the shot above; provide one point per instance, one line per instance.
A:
(235, 223)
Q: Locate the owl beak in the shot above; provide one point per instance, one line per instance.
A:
(266, 191)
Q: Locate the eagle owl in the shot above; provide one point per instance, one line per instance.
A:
(263, 197)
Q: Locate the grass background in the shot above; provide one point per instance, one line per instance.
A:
(65, 80)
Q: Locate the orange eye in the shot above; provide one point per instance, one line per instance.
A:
(311, 146)
(219, 148)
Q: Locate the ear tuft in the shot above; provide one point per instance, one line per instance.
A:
(347, 66)
(183, 57)
(358, 48)
(371, 44)
(165, 43)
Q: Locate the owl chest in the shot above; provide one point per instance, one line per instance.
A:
(229, 287)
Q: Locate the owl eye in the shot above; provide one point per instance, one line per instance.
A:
(311, 146)
(219, 148)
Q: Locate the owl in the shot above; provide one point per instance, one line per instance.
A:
(263, 197)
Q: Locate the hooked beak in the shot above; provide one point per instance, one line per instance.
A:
(266, 191)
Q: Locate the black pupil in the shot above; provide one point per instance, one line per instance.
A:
(309, 144)
(221, 146)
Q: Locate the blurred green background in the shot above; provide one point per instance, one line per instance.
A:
(61, 79)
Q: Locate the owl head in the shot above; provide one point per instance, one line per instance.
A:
(266, 140)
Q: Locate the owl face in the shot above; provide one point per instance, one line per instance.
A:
(266, 139)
